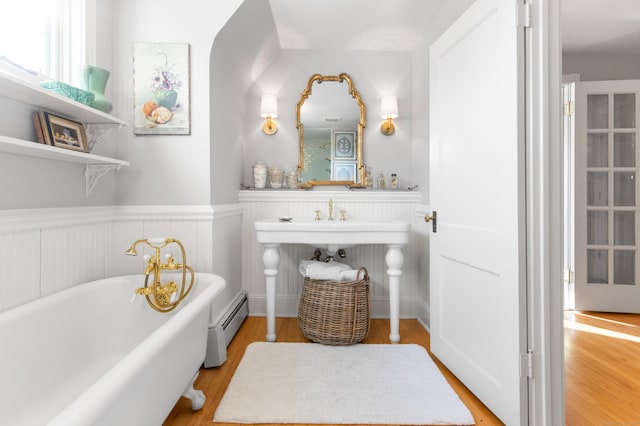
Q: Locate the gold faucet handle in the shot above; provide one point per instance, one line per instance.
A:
(317, 216)
(169, 262)
(342, 215)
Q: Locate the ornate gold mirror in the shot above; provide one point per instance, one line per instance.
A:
(330, 125)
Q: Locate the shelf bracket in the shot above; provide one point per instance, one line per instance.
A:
(93, 173)
(94, 132)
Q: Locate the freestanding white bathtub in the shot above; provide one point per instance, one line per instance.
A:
(87, 355)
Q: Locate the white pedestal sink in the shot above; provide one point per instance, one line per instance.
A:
(333, 235)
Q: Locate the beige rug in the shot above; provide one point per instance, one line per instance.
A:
(313, 383)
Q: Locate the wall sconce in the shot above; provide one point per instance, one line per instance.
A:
(269, 110)
(389, 111)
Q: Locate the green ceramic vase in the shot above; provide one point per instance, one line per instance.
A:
(95, 80)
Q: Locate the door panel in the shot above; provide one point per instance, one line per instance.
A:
(606, 196)
(478, 322)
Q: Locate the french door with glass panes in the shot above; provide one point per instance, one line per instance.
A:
(606, 196)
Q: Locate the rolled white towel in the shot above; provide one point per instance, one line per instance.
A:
(351, 275)
(317, 270)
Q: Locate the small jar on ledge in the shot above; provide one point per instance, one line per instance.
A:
(276, 177)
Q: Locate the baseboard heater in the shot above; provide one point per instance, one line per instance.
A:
(220, 334)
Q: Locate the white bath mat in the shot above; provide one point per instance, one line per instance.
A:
(314, 383)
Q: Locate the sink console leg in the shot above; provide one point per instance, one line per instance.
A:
(394, 261)
(271, 259)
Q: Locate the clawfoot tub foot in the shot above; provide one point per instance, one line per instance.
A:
(196, 396)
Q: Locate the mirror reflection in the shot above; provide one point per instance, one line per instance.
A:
(330, 120)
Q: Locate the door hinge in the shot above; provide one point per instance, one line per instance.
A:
(569, 108)
(524, 15)
(526, 364)
(569, 276)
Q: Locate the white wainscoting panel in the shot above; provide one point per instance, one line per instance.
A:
(46, 250)
(72, 255)
(19, 268)
(43, 251)
(358, 205)
(226, 258)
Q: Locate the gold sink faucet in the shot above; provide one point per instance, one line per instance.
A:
(163, 297)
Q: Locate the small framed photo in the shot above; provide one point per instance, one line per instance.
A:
(64, 133)
(343, 171)
(344, 145)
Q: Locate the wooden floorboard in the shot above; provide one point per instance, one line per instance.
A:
(602, 368)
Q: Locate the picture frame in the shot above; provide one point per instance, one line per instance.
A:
(40, 124)
(64, 133)
(161, 88)
(344, 145)
(343, 171)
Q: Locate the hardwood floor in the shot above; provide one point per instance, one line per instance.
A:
(602, 368)
(214, 381)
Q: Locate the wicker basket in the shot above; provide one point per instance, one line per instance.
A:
(335, 313)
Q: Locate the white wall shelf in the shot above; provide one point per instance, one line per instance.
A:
(34, 149)
(30, 93)
(95, 166)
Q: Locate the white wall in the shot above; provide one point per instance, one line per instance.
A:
(373, 74)
(227, 78)
(601, 66)
(171, 169)
(30, 182)
(237, 58)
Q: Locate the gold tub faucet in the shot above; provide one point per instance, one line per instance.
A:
(163, 297)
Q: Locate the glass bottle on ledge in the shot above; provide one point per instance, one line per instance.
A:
(394, 181)
(381, 181)
(368, 180)
(292, 179)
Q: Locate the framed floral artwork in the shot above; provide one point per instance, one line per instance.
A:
(161, 89)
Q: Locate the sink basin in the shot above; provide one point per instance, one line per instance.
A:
(332, 235)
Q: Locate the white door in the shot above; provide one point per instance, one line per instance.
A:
(478, 288)
(606, 196)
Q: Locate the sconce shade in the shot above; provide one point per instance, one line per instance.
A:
(269, 110)
(269, 106)
(389, 106)
(388, 111)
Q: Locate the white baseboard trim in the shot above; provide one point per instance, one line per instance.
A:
(423, 313)
(426, 327)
